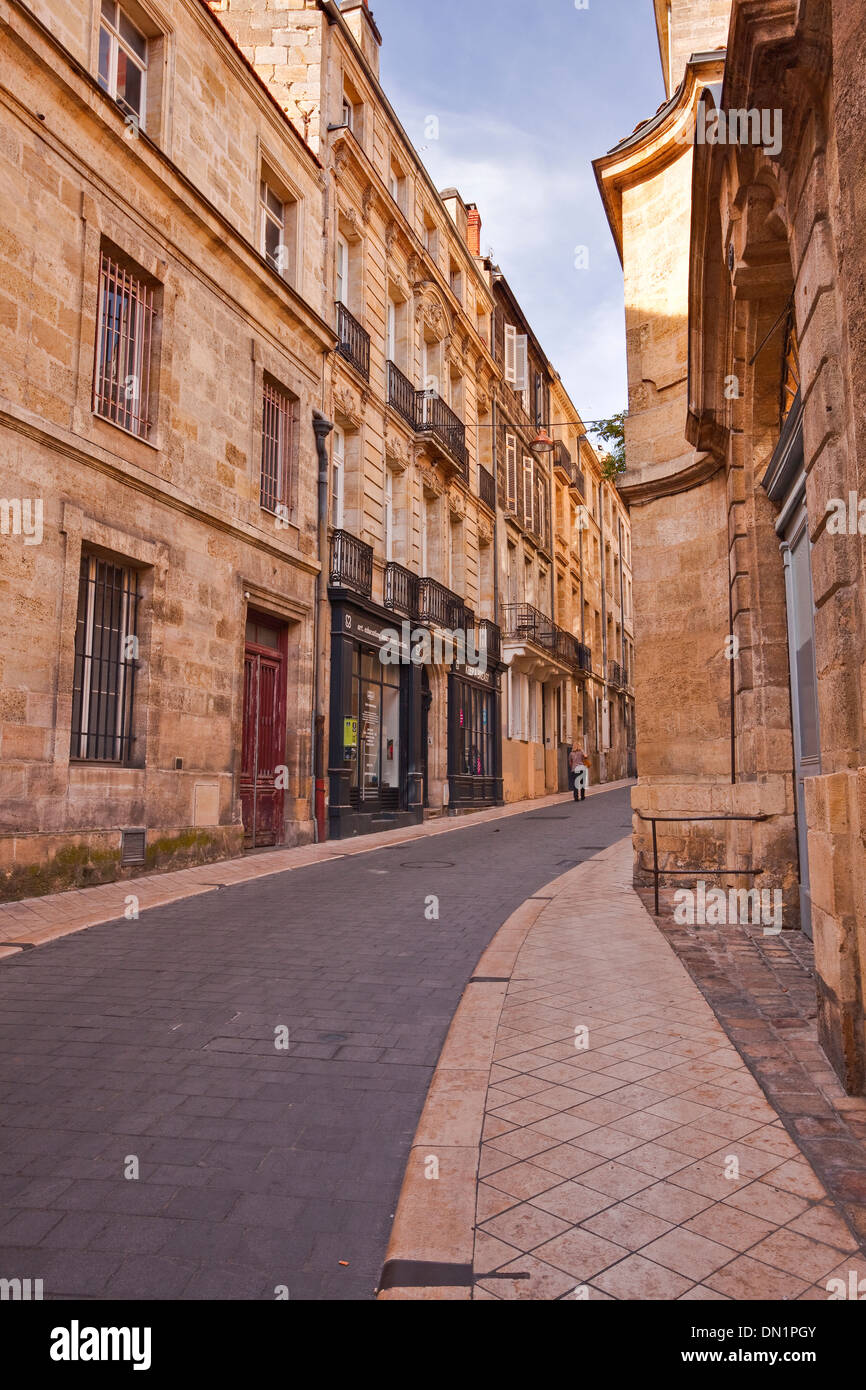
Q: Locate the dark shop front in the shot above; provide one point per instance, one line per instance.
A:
(474, 741)
(375, 765)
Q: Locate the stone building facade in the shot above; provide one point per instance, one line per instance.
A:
(256, 403)
(748, 528)
(162, 355)
(412, 506)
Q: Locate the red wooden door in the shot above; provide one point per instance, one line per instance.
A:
(263, 749)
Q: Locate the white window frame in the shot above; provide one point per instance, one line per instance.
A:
(341, 284)
(338, 477)
(388, 509)
(118, 44)
(391, 332)
(267, 217)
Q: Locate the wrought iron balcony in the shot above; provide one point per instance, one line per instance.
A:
(354, 342)
(437, 605)
(617, 675)
(487, 488)
(525, 623)
(558, 642)
(401, 590)
(583, 656)
(563, 463)
(435, 418)
(578, 485)
(401, 394)
(488, 639)
(351, 563)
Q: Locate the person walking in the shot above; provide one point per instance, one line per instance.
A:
(578, 772)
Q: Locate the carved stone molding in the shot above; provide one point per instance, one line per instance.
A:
(349, 405)
(398, 450)
(457, 503)
(430, 483)
(367, 201)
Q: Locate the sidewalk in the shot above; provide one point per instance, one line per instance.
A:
(35, 921)
(638, 1159)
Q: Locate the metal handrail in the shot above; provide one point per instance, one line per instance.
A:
(688, 873)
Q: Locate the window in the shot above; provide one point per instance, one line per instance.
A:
(342, 284)
(106, 657)
(277, 444)
(389, 514)
(273, 241)
(511, 472)
(455, 279)
(431, 238)
(474, 715)
(348, 113)
(124, 347)
(516, 358)
(397, 185)
(122, 61)
(528, 493)
(540, 514)
(391, 332)
(376, 705)
(338, 477)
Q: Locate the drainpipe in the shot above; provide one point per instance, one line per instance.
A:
(322, 427)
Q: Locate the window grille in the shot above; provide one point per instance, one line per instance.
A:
(106, 659)
(276, 449)
(121, 386)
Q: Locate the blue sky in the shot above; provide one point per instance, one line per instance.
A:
(527, 93)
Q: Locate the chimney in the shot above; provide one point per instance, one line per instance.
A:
(473, 229)
(359, 18)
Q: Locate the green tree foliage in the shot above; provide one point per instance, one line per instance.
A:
(611, 432)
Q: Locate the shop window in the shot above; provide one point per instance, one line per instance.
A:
(474, 715)
(376, 705)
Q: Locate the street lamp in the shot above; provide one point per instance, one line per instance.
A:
(542, 444)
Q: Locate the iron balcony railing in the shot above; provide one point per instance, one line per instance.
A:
(618, 675)
(435, 417)
(354, 342)
(351, 563)
(487, 488)
(488, 639)
(437, 605)
(562, 461)
(524, 622)
(559, 643)
(578, 485)
(401, 590)
(401, 394)
(583, 657)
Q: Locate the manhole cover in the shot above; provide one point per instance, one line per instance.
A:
(429, 864)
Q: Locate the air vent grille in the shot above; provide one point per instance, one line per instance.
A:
(132, 846)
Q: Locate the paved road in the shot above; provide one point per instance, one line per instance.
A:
(154, 1043)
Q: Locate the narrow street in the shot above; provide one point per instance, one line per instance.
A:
(159, 1041)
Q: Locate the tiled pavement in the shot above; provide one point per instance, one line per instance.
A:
(155, 1040)
(647, 1165)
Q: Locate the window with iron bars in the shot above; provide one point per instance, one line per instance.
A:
(124, 346)
(278, 428)
(106, 659)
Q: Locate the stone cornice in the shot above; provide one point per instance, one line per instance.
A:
(58, 440)
(669, 484)
(657, 143)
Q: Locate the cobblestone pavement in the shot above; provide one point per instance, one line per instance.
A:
(640, 1159)
(152, 1045)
